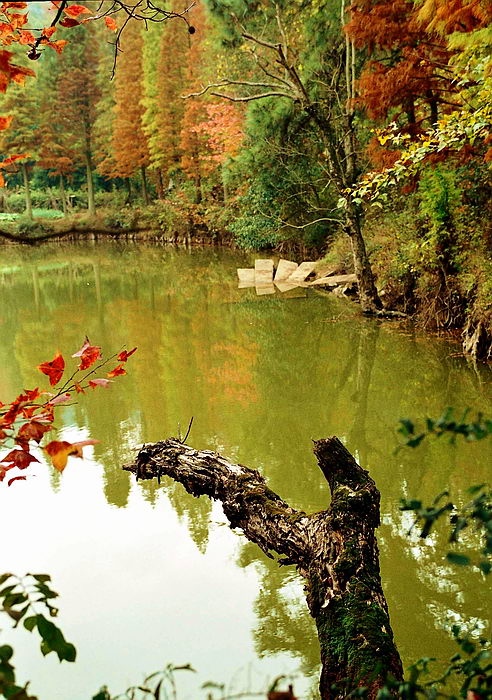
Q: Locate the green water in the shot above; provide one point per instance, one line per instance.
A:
(149, 575)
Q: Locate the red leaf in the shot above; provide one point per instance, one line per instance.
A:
(58, 45)
(48, 32)
(116, 371)
(5, 122)
(69, 22)
(20, 458)
(99, 382)
(78, 388)
(63, 398)
(76, 10)
(12, 159)
(111, 24)
(60, 450)
(26, 37)
(54, 369)
(31, 431)
(16, 478)
(124, 355)
(88, 354)
(4, 470)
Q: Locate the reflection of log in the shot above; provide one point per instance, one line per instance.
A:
(335, 550)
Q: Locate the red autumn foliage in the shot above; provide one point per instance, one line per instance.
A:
(53, 369)
(88, 354)
(125, 354)
(117, 371)
(29, 416)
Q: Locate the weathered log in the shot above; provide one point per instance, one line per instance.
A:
(335, 550)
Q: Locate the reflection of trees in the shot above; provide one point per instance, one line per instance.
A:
(261, 376)
(284, 623)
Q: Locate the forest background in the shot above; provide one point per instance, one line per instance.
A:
(309, 116)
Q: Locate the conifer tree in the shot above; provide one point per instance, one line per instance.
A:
(129, 141)
(192, 143)
(406, 69)
(171, 70)
(22, 137)
(150, 101)
(78, 97)
(105, 106)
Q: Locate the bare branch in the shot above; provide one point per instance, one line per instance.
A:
(224, 83)
(250, 98)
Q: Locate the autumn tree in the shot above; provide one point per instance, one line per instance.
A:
(56, 154)
(305, 59)
(130, 151)
(21, 104)
(78, 94)
(150, 100)
(171, 71)
(105, 106)
(192, 144)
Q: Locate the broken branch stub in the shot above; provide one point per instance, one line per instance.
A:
(335, 550)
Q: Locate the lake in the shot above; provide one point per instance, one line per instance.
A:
(149, 575)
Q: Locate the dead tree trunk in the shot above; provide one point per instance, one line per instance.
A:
(334, 550)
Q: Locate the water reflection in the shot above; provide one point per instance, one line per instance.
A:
(262, 376)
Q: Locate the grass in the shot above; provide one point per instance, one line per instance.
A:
(37, 214)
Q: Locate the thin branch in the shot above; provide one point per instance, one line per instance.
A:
(233, 98)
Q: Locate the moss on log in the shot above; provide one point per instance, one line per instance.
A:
(335, 551)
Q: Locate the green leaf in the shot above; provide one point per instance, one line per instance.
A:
(31, 622)
(53, 640)
(6, 652)
(459, 559)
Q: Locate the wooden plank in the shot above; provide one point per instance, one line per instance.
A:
(245, 285)
(326, 271)
(285, 268)
(333, 281)
(246, 274)
(290, 291)
(263, 272)
(265, 289)
(302, 272)
(284, 286)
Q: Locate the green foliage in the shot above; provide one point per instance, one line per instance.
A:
(21, 599)
(30, 227)
(160, 685)
(124, 219)
(477, 513)
(446, 424)
(471, 664)
(254, 229)
(439, 196)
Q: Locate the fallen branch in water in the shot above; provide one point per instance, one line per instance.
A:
(335, 550)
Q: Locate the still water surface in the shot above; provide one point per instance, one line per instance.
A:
(149, 575)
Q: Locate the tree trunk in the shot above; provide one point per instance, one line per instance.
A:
(128, 190)
(91, 204)
(159, 184)
(145, 191)
(62, 195)
(334, 550)
(27, 191)
(368, 294)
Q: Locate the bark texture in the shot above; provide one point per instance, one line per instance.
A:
(334, 550)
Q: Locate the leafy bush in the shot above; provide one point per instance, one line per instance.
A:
(28, 227)
(125, 219)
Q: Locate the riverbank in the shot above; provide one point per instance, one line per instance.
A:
(452, 295)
